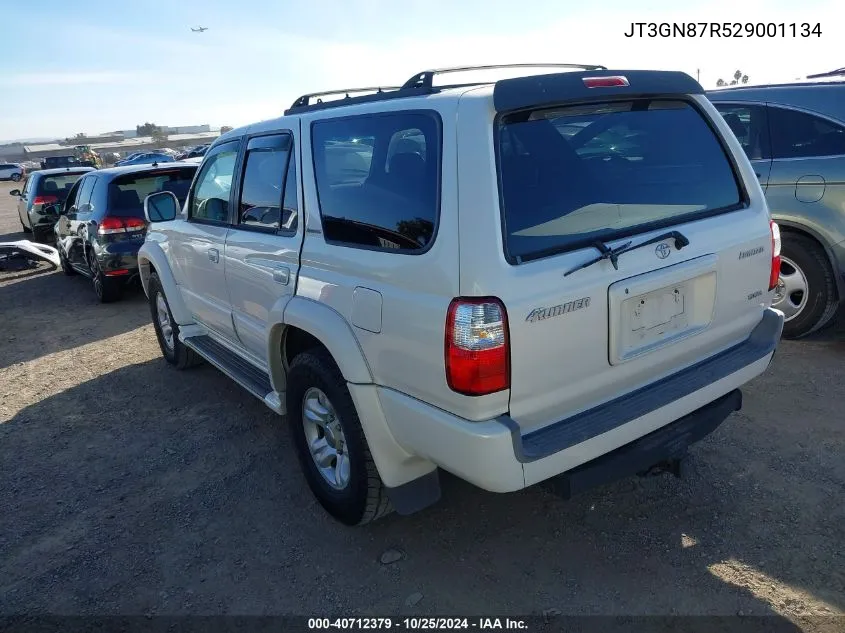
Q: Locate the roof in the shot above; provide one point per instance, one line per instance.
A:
(114, 172)
(62, 170)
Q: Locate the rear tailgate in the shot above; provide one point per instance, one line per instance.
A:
(629, 164)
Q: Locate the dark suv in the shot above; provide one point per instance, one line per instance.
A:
(101, 224)
(794, 135)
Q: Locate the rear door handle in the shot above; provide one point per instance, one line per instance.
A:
(214, 255)
(282, 275)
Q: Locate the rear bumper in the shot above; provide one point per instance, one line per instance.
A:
(120, 256)
(496, 456)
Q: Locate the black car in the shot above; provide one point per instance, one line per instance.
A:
(57, 162)
(101, 224)
(44, 188)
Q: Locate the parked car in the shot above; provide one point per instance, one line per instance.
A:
(794, 135)
(146, 158)
(44, 188)
(101, 222)
(11, 171)
(58, 162)
(193, 152)
(436, 277)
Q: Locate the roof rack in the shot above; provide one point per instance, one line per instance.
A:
(425, 79)
(832, 73)
(305, 100)
(419, 84)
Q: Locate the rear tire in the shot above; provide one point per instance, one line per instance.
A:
(362, 497)
(167, 330)
(107, 290)
(16, 177)
(806, 291)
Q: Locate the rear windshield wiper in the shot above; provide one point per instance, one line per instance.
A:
(613, 253)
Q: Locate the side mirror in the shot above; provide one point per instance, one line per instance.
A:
(15, 192)
(161, 207)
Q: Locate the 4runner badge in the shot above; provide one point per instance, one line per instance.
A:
(538, 314)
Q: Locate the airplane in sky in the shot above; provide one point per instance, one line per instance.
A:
(200, 29)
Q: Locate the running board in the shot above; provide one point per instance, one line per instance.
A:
(241, 371)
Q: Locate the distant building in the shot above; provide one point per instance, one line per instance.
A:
(123, 146)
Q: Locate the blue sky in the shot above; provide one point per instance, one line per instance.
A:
(85, 66)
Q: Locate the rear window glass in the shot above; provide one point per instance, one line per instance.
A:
(378, 180)
(127, 193)
(58, 185)
(572, 175)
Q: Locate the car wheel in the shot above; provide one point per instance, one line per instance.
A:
(107, 290)
(16, 177)
(167, 330)
(330, 442)
(806, 290)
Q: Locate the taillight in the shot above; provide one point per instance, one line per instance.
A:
(134, 224)
(477, 347)
(45, 199)
(775, 272)
(605, 82)
(110, 225)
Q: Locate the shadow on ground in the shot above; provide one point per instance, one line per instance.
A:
(44, 311)
(148, 490)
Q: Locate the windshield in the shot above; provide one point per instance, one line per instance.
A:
(127, 193)
(575, 174)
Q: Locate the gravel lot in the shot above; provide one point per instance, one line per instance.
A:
(127, 487)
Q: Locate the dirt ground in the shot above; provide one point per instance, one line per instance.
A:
(127, 487)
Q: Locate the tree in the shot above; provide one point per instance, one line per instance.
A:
(739, 78)
(147, 129)
(226, 128)
(159, 135)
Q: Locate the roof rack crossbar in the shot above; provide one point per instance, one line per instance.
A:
(425, 79)
(305, 100)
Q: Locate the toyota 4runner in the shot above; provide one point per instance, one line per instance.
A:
(561, 277)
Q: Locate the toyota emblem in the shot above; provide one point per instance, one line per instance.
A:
(662, 250)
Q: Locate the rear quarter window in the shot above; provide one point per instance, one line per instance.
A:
(378, 180)
(575, 174)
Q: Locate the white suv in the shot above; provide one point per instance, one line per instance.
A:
(560, 277)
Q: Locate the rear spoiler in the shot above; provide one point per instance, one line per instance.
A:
(537, 91)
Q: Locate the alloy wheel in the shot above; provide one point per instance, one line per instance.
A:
(791, 292)
(325, 439)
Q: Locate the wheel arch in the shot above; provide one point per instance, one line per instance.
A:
(788, 226)
(151, 258)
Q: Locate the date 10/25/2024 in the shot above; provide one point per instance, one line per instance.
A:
(724, 29)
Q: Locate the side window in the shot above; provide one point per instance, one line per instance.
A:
(748, 123)
(266, 161)
(210, 199)
(378, 179)
(72, 195)
(84, 192)
(800, 135)
(27, 185)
